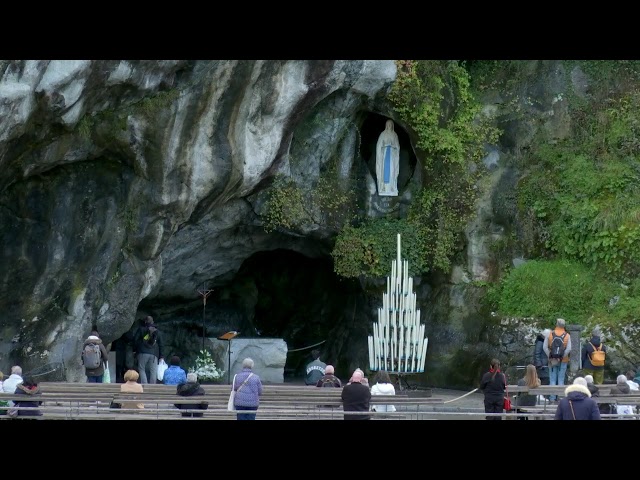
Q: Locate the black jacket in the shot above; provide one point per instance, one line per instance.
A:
(329, 380)
(540, 359)
(588, 349)
(30, 395)
(493, 388)
(141, 346)
(190, 390)
(356, 397)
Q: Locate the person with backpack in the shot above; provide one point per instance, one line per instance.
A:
(148, 345)
(557, 346)
(329, 379)
(93, 356)
(593, 357)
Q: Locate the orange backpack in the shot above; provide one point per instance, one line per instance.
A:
(598, 356)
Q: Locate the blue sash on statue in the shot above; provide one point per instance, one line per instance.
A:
(387, 164)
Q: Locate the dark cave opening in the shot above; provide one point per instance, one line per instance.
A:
(276, 294)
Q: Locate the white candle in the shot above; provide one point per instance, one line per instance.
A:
(398, 249)
(405, 276)
(424, 353)
(400, 347)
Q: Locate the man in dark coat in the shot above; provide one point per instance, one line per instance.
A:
(148, 345)
(356, 397)
(577, 403)
(314, 369)
(587, 350)
(540, 359)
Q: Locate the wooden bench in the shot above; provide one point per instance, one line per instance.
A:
(92, 401)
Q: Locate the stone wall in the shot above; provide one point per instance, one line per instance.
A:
(269, 356)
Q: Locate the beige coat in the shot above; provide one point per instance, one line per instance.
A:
(131, 387)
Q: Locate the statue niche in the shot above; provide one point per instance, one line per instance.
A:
(388, 161)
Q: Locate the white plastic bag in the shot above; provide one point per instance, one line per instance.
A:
(162, 366)
(106, 376)
(230, 403)
(624, 410)
(232, 396)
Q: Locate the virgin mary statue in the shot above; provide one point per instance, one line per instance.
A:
(388, 161)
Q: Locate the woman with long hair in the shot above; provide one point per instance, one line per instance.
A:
(493, 384)
(530, 380)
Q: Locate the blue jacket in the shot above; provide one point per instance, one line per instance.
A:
(249, 394)
(584, 407)
(174, 375)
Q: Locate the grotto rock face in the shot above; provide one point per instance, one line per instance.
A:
(128, 180)
(128, 186)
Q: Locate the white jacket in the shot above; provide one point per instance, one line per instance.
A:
(10, 384)
(383, 389)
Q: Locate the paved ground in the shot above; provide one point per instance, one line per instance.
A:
(457, 405)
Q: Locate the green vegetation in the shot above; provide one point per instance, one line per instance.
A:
(577, 200)
(552, 289)
(578, 204)
(289, 207)
(369, 248)
(586, 193)
(115, 120)
(432, 98)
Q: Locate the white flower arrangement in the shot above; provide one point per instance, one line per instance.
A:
(206, 368)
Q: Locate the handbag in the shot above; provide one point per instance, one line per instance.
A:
(232, 396)
(162, 366)
(106, 376)
(507, 399)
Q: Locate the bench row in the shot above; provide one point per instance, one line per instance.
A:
(603, 389)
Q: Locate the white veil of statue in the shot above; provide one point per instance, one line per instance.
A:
(388, 161)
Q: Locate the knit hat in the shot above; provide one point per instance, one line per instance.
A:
(580, 381)
(589, 378)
